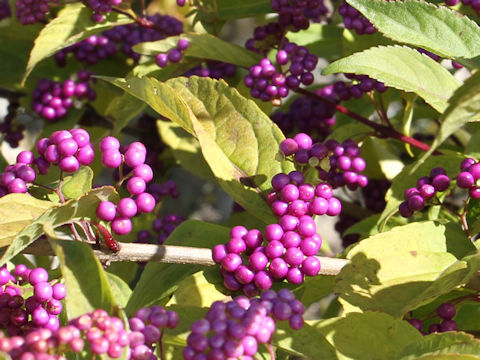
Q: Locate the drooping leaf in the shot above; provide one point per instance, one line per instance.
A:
(237, 139)
(158, 281)
(367, 336)
(74, 23)
(401, 269)
(435, 28)
(202, 46)
(85, 279)
(402, 68)
(72, 210)
(463, 108)
(17, 211)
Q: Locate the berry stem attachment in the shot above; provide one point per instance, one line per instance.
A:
(271, 351)
(383, 130)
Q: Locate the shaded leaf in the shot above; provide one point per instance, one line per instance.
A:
(367, 336)
(307, 342)
(443, 346)
(228, 9)
(402, 68)
(398, 270)
(122, 109)
(185, 148)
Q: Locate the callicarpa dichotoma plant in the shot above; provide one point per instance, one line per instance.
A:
(226, 179)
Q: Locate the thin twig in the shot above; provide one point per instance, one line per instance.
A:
(168, 254)
(383, 130)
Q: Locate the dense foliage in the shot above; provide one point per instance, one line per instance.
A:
(298, 114)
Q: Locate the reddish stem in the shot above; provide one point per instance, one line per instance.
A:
(383, 130)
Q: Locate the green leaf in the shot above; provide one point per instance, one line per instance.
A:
(319, 39)
(202, 46)
(353, 42)
(444, 346)
(158, 281)
(307, 342)
(398, 270)
(199, 289)
(237, 139)
(228, 9)
(407, 179)
(185, 148)
(435, 28)
(120, 290)
(367, 336)
(402, 68)
(464, 107)
(122, 109)
(78, 184)
(85, 279)
(72, 210)
(17, 211)
(74, 23)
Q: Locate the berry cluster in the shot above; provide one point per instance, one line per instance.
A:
(354, 20)
(51, 99)
(292, 243)
(164, 226)
(266, 83)
(12, 133)
(308, 115)
(29, 12)
(159, 27)
(123, 37)
(345, 164)
(426, 189)
(91, 50)
(101, 8)
(291, 196)
(446, 312)
(160, 191)
(141, 173)
(469, 176)
(67, 149)
(363, 84)
(265, 38)
(233, 330)
(5, 10)
(214, 70)
(296, 15)
(20, 316)
(146, 328)
(174, 55)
